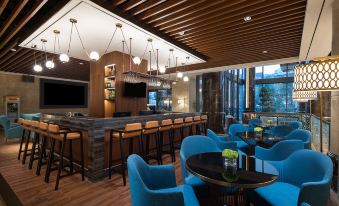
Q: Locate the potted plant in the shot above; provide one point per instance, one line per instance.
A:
(258, 131)
(230, 160)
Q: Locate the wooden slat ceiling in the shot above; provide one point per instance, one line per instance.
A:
(18, 19)
(216, 29)
(212, 30)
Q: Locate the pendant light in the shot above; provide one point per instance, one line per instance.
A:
(36, 67)
(186, 79)
(49, 64)
(64, 58)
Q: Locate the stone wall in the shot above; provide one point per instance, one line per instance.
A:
(29, 93)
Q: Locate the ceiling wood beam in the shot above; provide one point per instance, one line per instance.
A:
(145, 6)
(3, 5)
(163, 7)
(12, 16)
(131, 4)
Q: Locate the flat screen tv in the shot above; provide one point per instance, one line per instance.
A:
(135, 89)
(63, 94)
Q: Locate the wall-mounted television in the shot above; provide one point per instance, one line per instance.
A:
(63, 94)
(135, 89)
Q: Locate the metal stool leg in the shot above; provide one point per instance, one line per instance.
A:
(21, 142)
(26, 148)
(122, 161)
(50, 160)
(35, 140)
(60, 163)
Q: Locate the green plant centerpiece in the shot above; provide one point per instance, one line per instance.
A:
(230, 163)
(258, 131)
(269, 121)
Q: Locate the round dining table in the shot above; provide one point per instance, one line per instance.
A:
(250, 173)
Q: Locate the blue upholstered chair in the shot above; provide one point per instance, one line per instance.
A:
(33, 116)
(252, 123)
(305, 177)
(190, 146)
(280, 151)
(11, 131)
(234, 128)
(303, 135)
(156, 185)
(221, 141)
(281, 130)
(295, 125)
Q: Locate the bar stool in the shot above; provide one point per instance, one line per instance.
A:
(26, 151)
(43, 136)
(151, 129)
(130, 131)
(55, 134)
(36, 140)
(197, 124)
(178, 125)
(188, 123)
(204, 119)
(166, 126)
(24, 127)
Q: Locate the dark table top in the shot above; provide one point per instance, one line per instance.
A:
(263, 137)
(251, 172)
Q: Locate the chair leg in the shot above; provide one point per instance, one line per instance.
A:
(82, 158)
(50, 160)
(61, 161)
(110, 158)
(70, 156)
(171, 140)
(147, 147)
(122, 162)
(141, 146)
(130, 149)
(35, 139)
(41, 153)
(26, 148)
(21, 142)
(157, 142)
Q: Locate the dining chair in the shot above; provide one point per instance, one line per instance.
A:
(301, 134)
(281, 130)
(220, 140)
(190, 146)
(156, 185)
(306, 177)
(11, 131)
(295, 125)
(280, 151)
(234, 128)
(252, 123)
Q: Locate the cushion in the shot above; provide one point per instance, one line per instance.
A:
(279, 194)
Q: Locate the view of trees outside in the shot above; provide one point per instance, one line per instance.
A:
(275, 96)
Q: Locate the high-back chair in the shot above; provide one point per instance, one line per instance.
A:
(295, 125)
(281, 130)
(11, 131)
(280, 151)
(303, 135)
(221, 141)
(232, 131)
(156, 185)
(306, 176)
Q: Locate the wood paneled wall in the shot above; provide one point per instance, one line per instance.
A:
(98, 106)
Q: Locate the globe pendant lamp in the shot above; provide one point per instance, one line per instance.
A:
(180, 75)
(64, 58)
(36, 67)
(49, 64)
(94, 56)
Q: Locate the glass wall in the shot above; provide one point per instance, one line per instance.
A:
(160, 99)
(273, 89)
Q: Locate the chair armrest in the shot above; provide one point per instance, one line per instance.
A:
(262, 153)
(163, 175)
(168, 197)
(314, 193)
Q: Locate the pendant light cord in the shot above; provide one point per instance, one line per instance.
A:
(82, 44)
(70, 39)
(110, 41)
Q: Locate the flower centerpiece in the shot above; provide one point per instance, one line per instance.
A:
(269, 122)
(258, 131)
(230, 160)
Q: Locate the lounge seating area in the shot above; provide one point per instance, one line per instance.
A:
(169, 102)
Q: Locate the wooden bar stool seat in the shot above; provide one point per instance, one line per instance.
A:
(197, 124)
(131, 131)
(55, 134)
(178, 125)
(151, 129)
(204, 119)
(166, 126)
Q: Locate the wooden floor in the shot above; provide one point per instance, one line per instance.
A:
(32, 190)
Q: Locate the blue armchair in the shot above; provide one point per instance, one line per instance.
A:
(295, 125)
(234, 128)
(252, 123)
(280, 151)
(303, 135)
(281, 130)
(221, 141)
(156, 185)
(305, 177)
(190, 146)
(11, 131)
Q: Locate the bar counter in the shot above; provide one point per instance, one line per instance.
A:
(96, 138)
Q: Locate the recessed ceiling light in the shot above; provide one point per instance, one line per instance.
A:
(181, 33)
(13, 50)
(81, 63)
(247, 18)
(265, 52)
